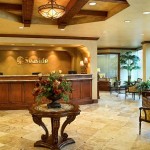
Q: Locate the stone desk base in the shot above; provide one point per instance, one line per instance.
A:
(53, 141)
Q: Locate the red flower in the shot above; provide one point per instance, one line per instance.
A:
(55, 84)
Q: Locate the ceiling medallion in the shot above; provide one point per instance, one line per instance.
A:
(51, 10)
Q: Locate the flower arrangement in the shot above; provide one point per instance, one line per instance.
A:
(55, 85)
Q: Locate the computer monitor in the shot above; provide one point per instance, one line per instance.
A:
(72, 72)
(35, 73)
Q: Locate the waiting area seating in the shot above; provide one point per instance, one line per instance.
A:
(145, 109)
(144, 116)
(114, 85)
(117, 87)
(132, 89)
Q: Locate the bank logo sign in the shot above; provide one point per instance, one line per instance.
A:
(25, 60)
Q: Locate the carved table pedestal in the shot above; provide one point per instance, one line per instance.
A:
(53, 141)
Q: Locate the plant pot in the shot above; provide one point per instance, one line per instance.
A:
(53, 103)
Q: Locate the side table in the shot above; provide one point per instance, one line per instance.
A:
(53, 141)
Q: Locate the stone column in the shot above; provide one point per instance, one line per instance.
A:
(146, 61)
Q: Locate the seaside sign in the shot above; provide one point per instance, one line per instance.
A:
(25, 60)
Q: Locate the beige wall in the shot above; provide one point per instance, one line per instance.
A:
(146, 61)
(56, 61)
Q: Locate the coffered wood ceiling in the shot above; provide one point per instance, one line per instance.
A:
(77, 11)
(103, 22)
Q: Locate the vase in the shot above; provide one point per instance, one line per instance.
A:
(53, 103)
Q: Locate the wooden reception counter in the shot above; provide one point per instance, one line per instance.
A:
(16, 90)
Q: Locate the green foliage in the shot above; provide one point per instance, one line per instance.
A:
(55, 85)
(130, 83)
(129, 62)
(144, 86)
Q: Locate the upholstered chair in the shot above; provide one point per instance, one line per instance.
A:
(144, 116)
(145, 109)
(132, 90)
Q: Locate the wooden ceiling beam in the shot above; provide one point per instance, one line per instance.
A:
(10, 16)
(10, 7)
(113, 1)
(27, 11)
(73, 7)
(93, 13)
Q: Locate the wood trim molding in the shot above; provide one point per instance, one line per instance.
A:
(10, 7)
(107, 53)
(116, 48)
(114, 1)
(93, 13)
(139, 48)
(145, 42)
(49, 37)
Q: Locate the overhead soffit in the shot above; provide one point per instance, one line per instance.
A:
(40, 47)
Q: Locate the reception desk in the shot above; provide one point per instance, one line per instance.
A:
(16, 90)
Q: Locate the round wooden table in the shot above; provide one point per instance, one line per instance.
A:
(53, 141)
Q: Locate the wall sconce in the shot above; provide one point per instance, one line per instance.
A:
(98, 73)
(84, 65)
(98, 70)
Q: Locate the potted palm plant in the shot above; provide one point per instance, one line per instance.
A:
(129, 62)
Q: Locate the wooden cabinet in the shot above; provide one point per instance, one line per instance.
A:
(82, 91)
(17, 95)
(16, 91)
(27, 92)
(4, 90)
(104, 85)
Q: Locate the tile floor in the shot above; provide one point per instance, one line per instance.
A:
(112, 124)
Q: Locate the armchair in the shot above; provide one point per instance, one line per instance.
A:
(145, 109)
(133, 90)
(146, 99)
(144, 116)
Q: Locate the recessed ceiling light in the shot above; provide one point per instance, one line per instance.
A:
(127, 21)
(20, 27)
(62, 29)
(142, 34)
(92, 3)
(146, 12)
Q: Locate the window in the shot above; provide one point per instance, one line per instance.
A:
(108, 64)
